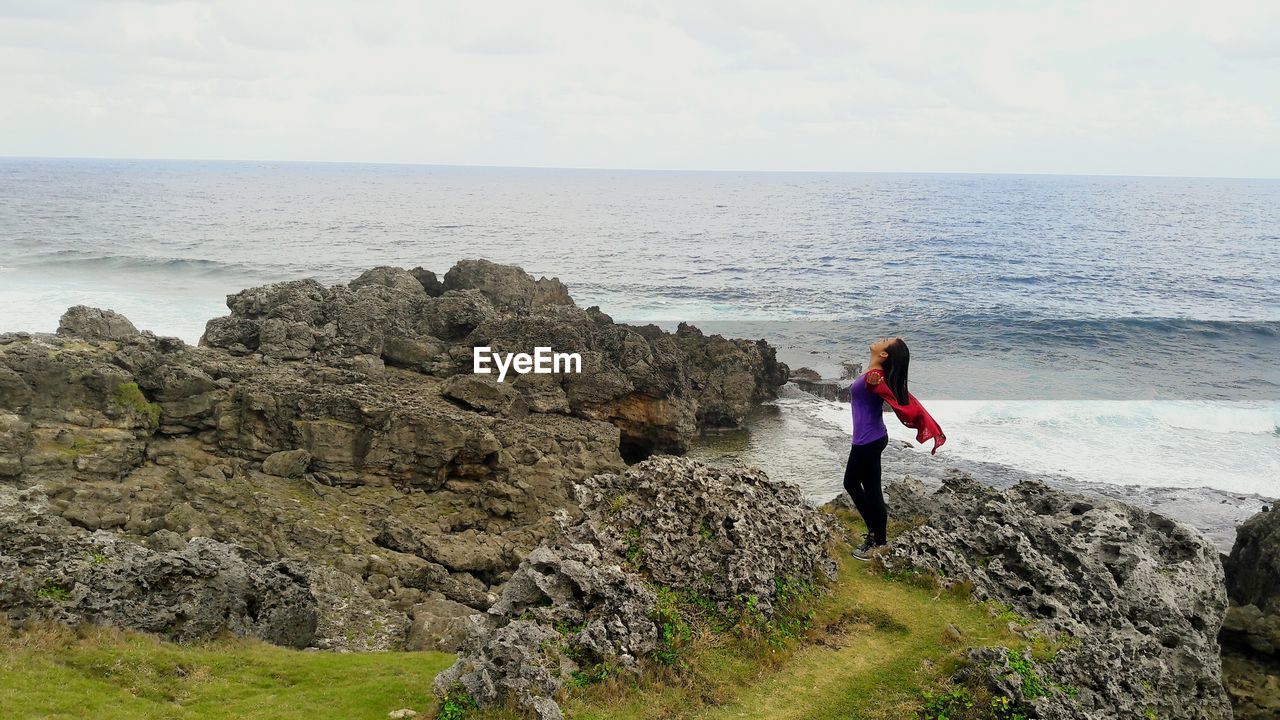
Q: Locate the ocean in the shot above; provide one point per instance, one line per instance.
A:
(1117, 331)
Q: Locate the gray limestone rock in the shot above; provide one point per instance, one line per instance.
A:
(392, 277)
(589, 594)
(287, 463)
(95, 324)
(438, 623)
(506, 286)
(1140, 596)
(50, 569)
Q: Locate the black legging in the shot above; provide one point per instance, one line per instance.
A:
(862, 482)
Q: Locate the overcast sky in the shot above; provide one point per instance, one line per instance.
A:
(1113, 86)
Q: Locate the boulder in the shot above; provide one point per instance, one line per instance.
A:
(287, 463)
(835, 390)
(1253, 567)
(349, 618)
(95, 324)
(728, 375)
(805, 373)
(483, 393)
(506, 286)
(1140, 596)
(392, 277)
(659, 389)
(438, 624)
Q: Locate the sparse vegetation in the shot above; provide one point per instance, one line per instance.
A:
(1032, 686)
(634, 552)
(1005, 613)
(129, 397)
(54, 593)
(456, 705)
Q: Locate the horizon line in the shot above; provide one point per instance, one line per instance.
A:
(636, 169)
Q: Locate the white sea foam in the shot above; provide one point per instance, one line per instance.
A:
(1231, 447)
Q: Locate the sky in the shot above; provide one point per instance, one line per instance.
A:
(1044, 86)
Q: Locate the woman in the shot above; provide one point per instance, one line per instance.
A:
(885, 381)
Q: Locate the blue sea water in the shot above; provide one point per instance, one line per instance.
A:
(1118, 330)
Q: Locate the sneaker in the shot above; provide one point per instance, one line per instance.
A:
(863, 551)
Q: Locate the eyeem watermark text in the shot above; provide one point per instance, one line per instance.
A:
(541, 362)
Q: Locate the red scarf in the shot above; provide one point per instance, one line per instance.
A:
(912, 414)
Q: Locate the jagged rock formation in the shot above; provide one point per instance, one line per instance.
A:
(656, 388)
(588, 595)
(341, 427)
(50, 569)
(1137, 597)
(1251, 630)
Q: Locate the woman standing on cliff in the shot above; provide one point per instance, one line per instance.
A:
(885, 381)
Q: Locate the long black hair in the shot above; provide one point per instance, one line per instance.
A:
(895, 369)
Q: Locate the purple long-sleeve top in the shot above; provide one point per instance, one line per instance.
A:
(868, 412)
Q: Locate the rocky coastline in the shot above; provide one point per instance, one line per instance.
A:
(329, 445)
(325, 471)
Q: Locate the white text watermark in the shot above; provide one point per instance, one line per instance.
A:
(541, 362)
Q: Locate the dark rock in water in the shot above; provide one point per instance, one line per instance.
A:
(1253, 568)
(1251, 629)
(722, 533)
(1140, 596)
(341, 429)
(95, 324)
(728, 376)
(804, 373)
(837, 390)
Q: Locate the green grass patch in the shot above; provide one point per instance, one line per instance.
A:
(53, 672)
(53, 593)
(129, 396)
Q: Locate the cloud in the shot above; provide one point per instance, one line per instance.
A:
(1141, 87)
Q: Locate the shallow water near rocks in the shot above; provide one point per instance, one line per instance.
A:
(794, 440)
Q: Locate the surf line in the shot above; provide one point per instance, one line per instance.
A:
(542, 362)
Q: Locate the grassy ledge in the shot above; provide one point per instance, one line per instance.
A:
(53, 672)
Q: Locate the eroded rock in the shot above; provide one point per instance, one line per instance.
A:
(1139, 596)
(95, 324)
(52, 570)
(287, 463)
(726, 534)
